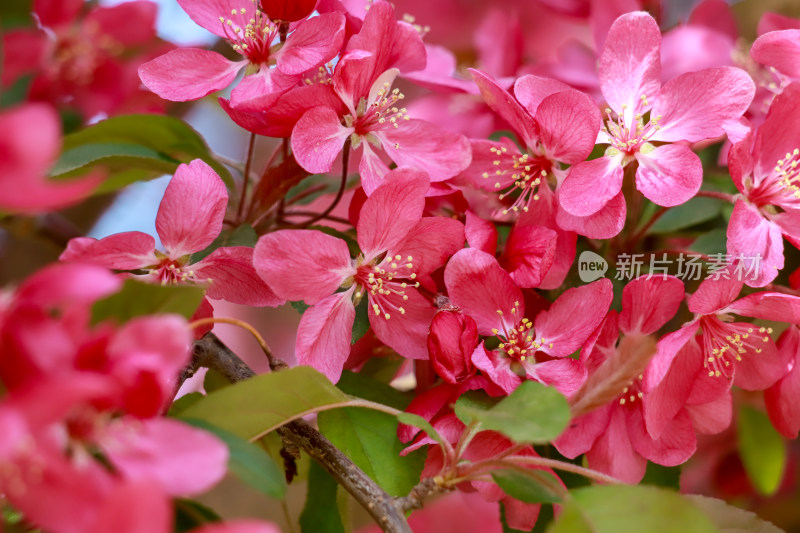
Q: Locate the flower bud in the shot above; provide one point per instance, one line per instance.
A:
(288, 10)
(451, 341)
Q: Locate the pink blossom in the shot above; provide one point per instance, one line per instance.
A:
(614, 437)
(189, 219)
(689, 108)
(89, 62)
(30, 141)
(729, 352)
(536, 349)
(399, 250)
(763, 168)
(190, 73)
(371, 114)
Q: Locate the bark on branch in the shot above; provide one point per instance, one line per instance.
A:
(212, 353)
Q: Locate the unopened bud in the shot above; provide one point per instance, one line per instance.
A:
(451, 341)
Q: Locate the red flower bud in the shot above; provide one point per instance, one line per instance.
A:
(451, 341)
(288, 10)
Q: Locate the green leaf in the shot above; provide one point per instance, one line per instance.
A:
(300, 306)
(532, 413)
(369, 439)
(417, 421)
(137, 299)
(183, 402)
(190, 515)
(321, 513)
(249, 462)
(362, 386)
(244, 235)
(662, 476)
(533, 486)
(711, 242)
(623, 508)
(134, 147)
(762, 449)
(361, 323)
(695, 211)
(255, 407)
(730, 519)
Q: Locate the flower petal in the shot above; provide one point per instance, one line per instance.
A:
(604, 224)
(233, 278)
(391, 211)
(783, 398)
(573, 317)
(188, 74)
(190, 214)
(302, 264)
(669, 175)
(568, 125)
(502, 103)
(183, 459)
(590, 185)
(323, 337)
(431, 242)
(756, 242)
(317, 139)
(406, 332)
(630, 64)
(477, 284)
(699, 105)
(648, 303)
(121, 251)
(779, 50)
(481, 234)
(423, 145)
(529, 253)
(314, 42)
(530, 90)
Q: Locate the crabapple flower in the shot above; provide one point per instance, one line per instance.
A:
(533, 349)
(270, 69)
(30, 140)
(371, 114)
(557, 125)
(86, 62)
(692, 107)
(399, 249)
(189, 219)
(764, 167)
(613, 436)
(729, 352)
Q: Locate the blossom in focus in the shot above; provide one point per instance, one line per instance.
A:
(764, 168)
(399, 250)
(528, 349)
(189, 219)
(271, 68)
(692, 107)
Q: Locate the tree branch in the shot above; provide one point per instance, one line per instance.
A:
(213, 353)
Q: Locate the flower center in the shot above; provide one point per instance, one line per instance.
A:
(628, 135)
(723, 344)
(386, 284)
(173, 272)
(632, 392)
(526, 172)
(381, 113)
(254, 40)
(519, 342)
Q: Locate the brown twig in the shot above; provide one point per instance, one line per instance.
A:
(387, 512)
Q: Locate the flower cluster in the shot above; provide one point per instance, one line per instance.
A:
(454, 245)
